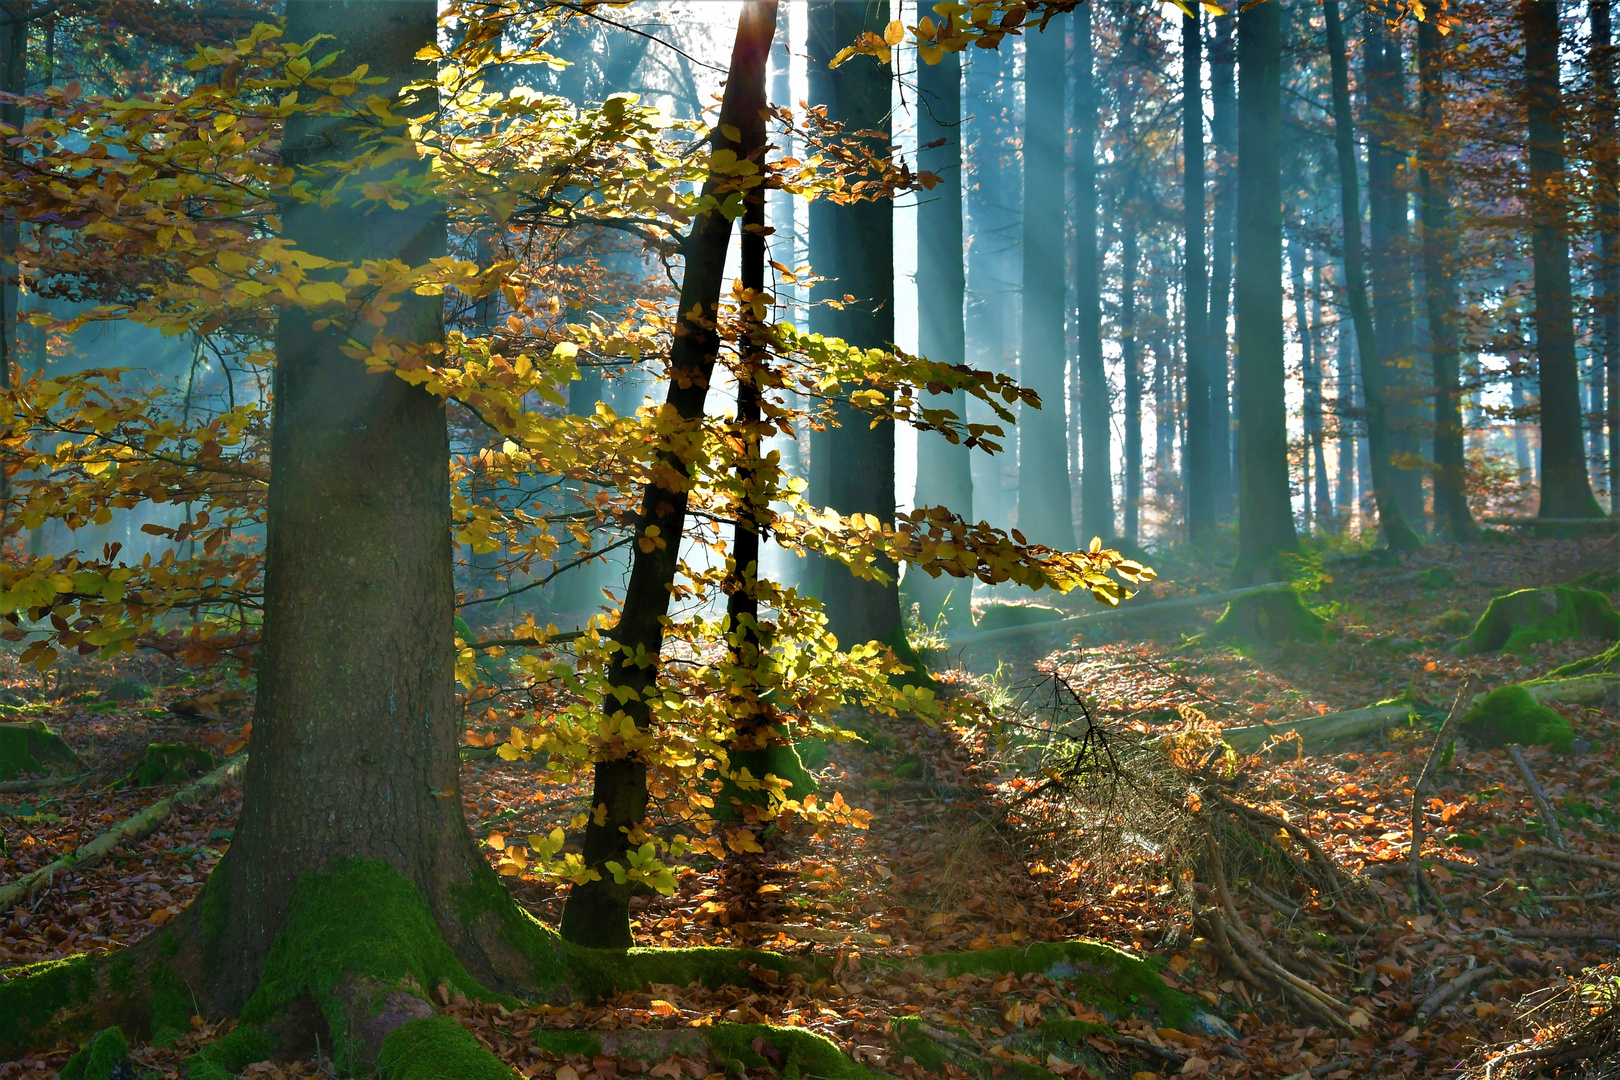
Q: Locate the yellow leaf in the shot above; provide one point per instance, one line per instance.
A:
(894, 33)
(203, 276)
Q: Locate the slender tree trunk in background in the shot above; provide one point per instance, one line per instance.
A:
(1044, 513)
(597, 913)
(1566, 491)
(1313, 400)
(1265, 514)
(1390, 267)
(1440, 292)
(1131, 361)
(1311, 411)
(1223, 136)
(1519, 398)
(1344, 496)
(1398, 534)
(13, 80)
(786, 248)
(355, 722)
(944, 471)
(1164, 379)
(1606, 159)
(1197, 463)
(1096, 465)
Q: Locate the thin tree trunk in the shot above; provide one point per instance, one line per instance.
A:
(1310, 376)
(1164, 380)
(1044, 514)
(1131, 361)
(1265, 516)
(1223, 134)
(1096, 464)
(1606, 160)
(1314, 408)
(1345, 493)
(1566, 490)
(1440, 288)
(944, 471)
(1398, 534)
(598, 913)
(1197, 464)
(13, 81)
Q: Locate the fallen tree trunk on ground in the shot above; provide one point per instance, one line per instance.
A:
(1122, 612)
(142, 824)
(1317, 731)
(1528, 522)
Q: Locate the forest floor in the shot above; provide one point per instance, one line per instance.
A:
(945, 866)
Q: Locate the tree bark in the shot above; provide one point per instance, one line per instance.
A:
(1130, 355)
(858, 456)
(1566, 490)
(1265, 515)
(1310, 376)
(1197, 466)
(1440, 294)
(1313, 402)
(1044, 513)
(598, 913)
(1223, 135)
(1398, 534)
(1606, 161)
(1096, 454)
(944, 471)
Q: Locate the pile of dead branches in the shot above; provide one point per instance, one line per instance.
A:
(1575, 1033)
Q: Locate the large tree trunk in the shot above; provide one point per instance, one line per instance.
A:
(1607, 209)
(1197, 466)
(1044, 513)
(598, 913)
(1096, 455)
(1566, 491)
(944, 470)
(858, 456)
(1130, 355)
(1398, 534)
(1440, 293)
(1265, 515)
(1223, 135)
(1384, 73)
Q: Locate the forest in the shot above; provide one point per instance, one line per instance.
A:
(809, 539)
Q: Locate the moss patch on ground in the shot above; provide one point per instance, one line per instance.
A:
(32, 747)
(438, 1048)
(39, 996)
(1271, 618)
(170, 763)
(598, 973)
(1516, 620)
(104, 1057)
(1511, 714)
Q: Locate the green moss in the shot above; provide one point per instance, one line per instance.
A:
(231, 1054)
(127, 690)
(97, 1059)
(483, 898)
(1598, 580)
(33, 996)
(1517, 620)
(1273, 618)
(802, 1052)
(33, 747)
(172, 1003)
(918, 1046)
(1454, 621)
(1114, 982)
(1007, 616)
(1510, 714)
(1466, 840)
(170, 763)
(597, 973)
(780, 760)
(568, 1042)
(1608, 660)
(813, 753)
(1437, 577)
(438, 1048)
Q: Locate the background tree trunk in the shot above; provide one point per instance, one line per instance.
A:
(1566, 490)
(1197, 466)
(1130, 356)
(1044, 513)
(1096, 467)
(1265, 515)
(1223, 135)
(1607, 160)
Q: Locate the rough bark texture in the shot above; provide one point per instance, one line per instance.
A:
(1398, 534)
(1265, 515)
(1606, 158)
(1044, 515)
(1223, 136)
(1440, 295)
(1130, 356)
(598, 913)
(857, 463)
(1197, 465)
(944, 471)
(1096, 457)
(1566, 490)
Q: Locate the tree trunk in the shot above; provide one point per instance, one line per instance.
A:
(1265, 515)
(1131, 361)
(1223, 135)
(1197, 466)
(858, 456)
(1044, 513)
(1313, 407)
(598, 913)
(1391, 267)
(1398, 534)
(1310, 376)
(1440, 293)
(1566, 491)
(14, 81)
(1606, 161)
(944, 471)
(1096, 464)
(1344, 496)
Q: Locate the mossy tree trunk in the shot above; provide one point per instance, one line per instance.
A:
(598, 913)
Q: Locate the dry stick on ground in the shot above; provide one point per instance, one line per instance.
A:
(1456, 988)
(1549, 816)
(142, 824)
(1422, 890)
(1318, 868)
(11, 787)
(1531, 851)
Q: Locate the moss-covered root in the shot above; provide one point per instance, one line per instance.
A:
(779, 760)
(1519, 619)
(33, 747)
(791, 1052)
(1606, 661)
(104, 1057)
(170, 763)
(1271, 618)
(435, 1048)
(1511, 714)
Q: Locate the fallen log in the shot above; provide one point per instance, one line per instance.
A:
(141, 825)
(1317, 731)
(1124, 611)
(1528, 522)
(11, 787)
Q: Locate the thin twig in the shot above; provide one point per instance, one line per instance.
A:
(1549, 816)
(1423, 890)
